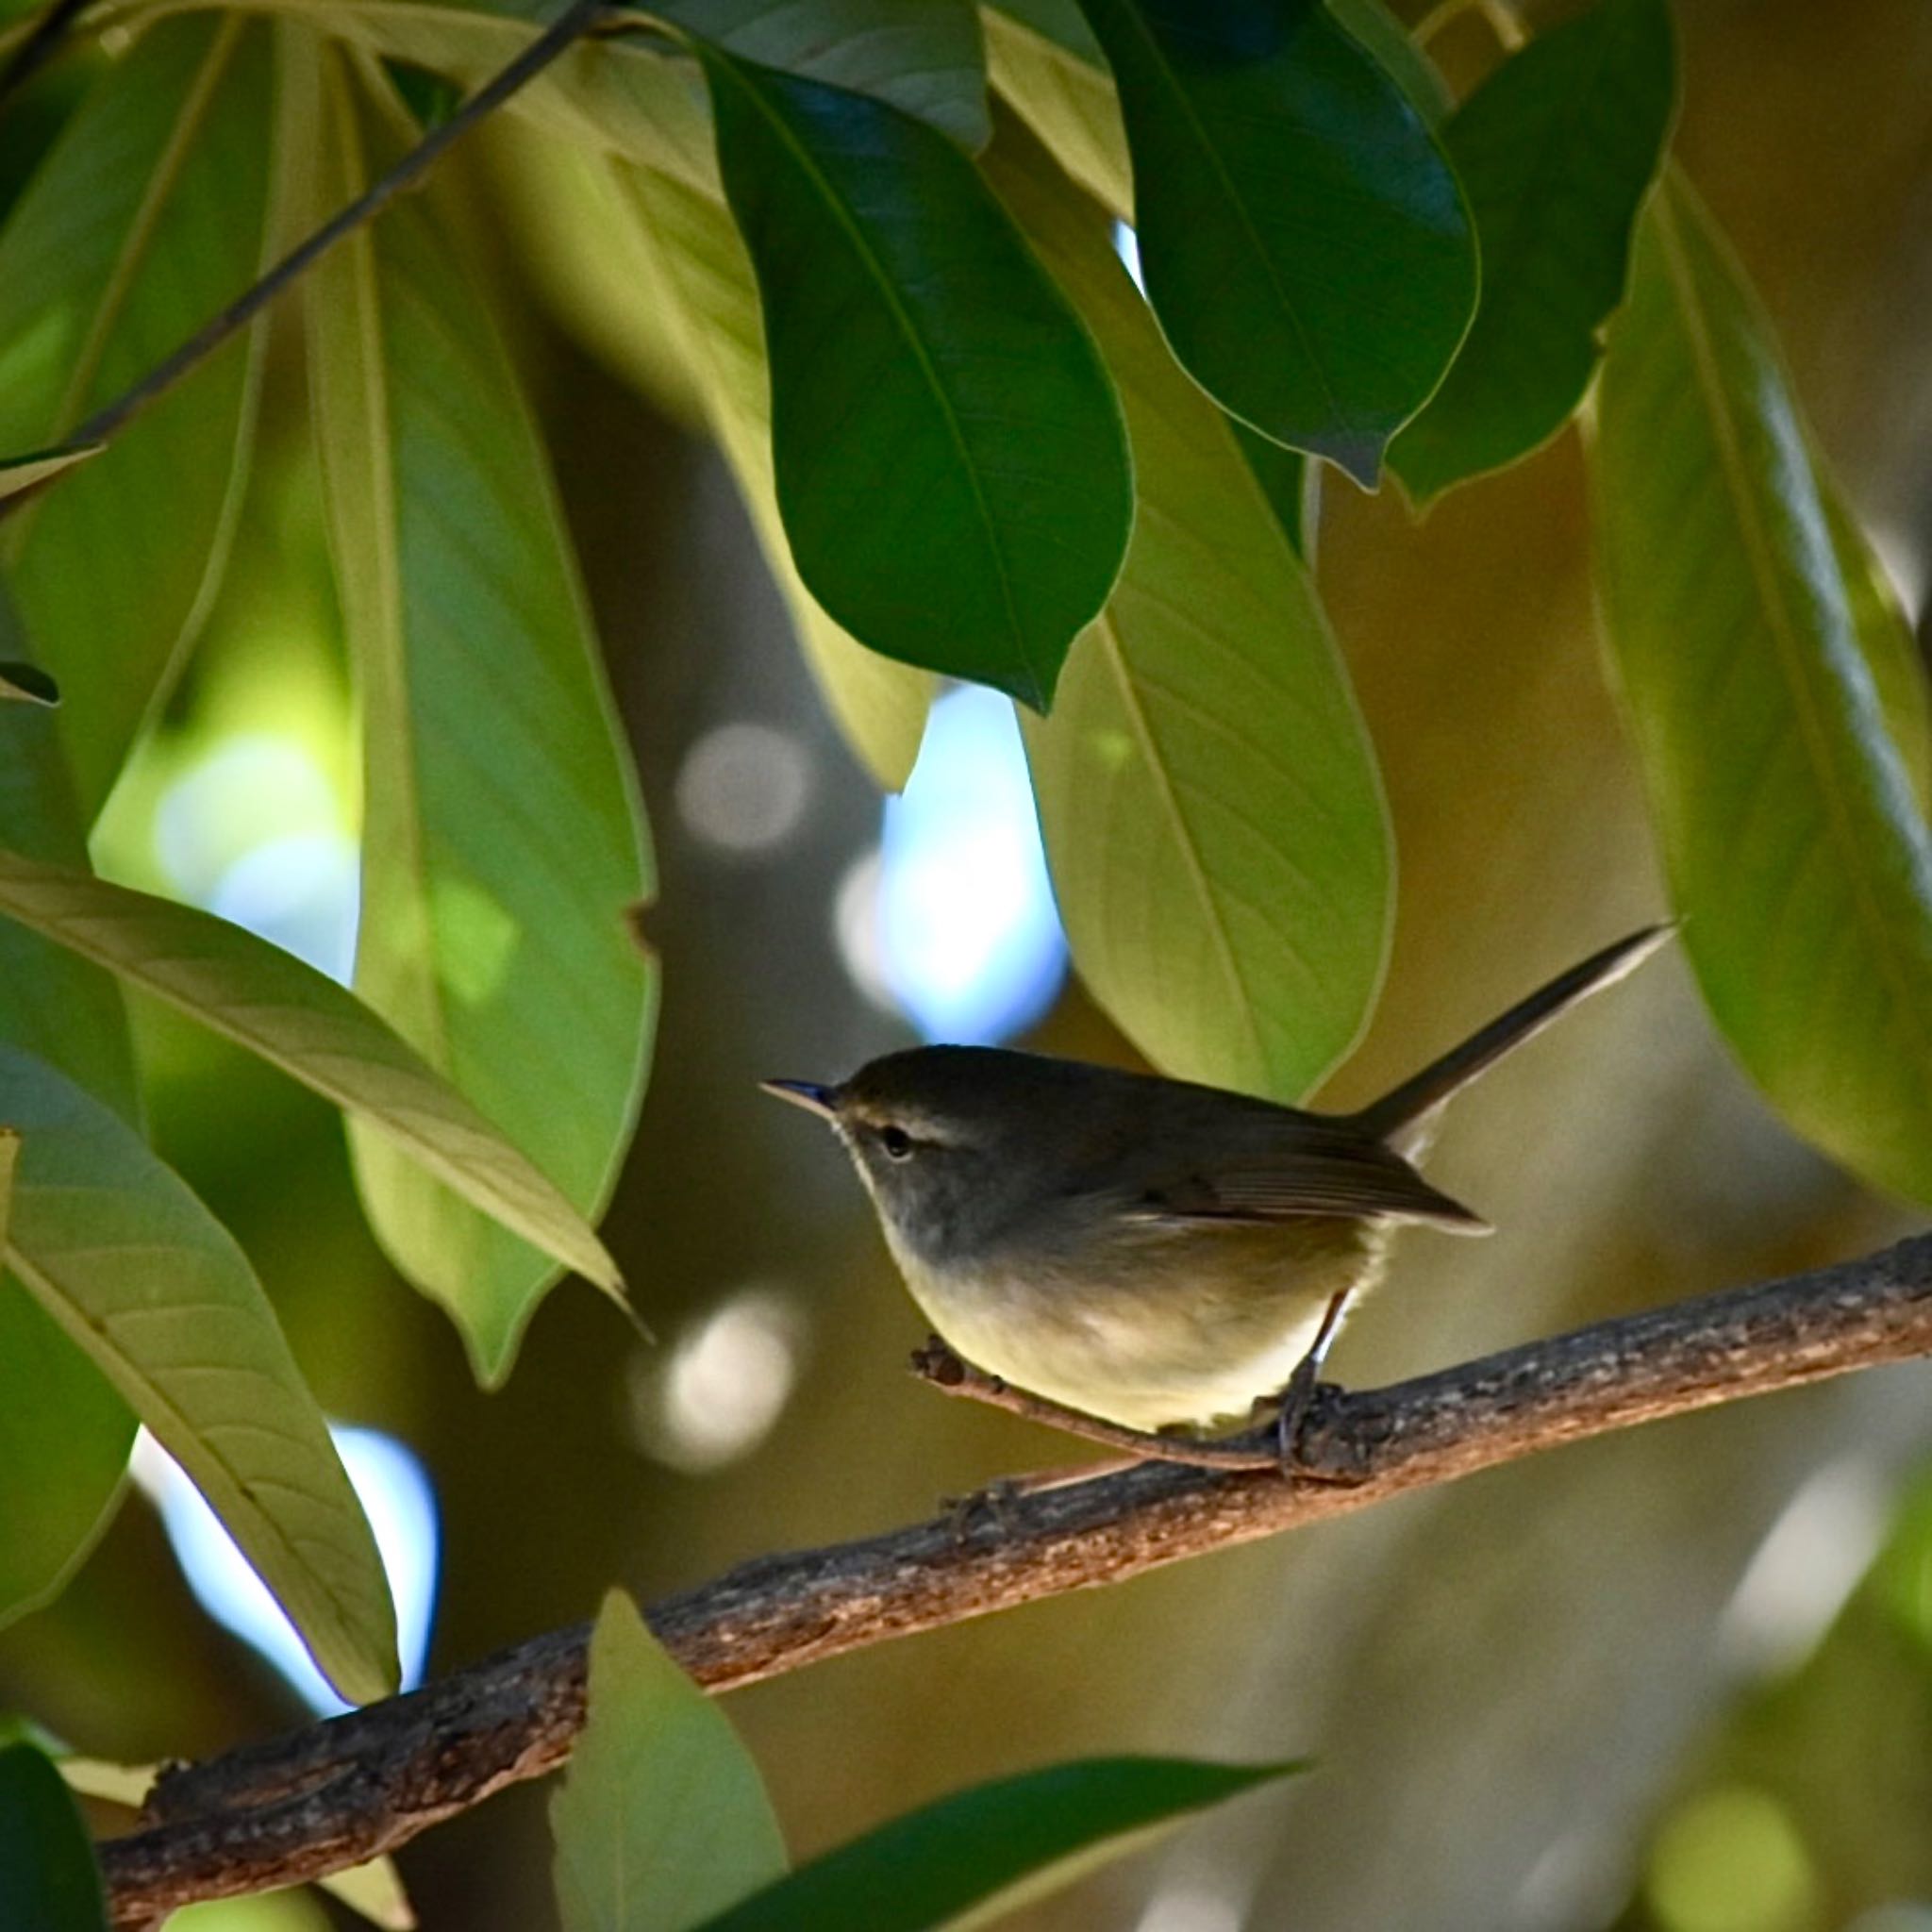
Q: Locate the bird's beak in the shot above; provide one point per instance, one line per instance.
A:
(805, 1093)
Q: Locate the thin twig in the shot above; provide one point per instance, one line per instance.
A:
(299, 1807)
(953, 1374)
(43, 43)
(576, 20)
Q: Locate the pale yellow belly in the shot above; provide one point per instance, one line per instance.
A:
(1152, 1341)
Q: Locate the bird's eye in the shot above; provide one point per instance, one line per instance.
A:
(897, 1144)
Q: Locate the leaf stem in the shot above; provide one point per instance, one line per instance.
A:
(580, 18)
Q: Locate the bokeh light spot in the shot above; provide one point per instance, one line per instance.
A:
(1731, 1860)
(721, 1388)
(963, 933)
(743, 787)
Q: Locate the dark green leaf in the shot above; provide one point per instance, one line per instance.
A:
(1556, 150)
(48, 1879)
(1383, 34)
(1793, 841)
(700, 283)
(502, 834)
(986, 1850)
(926, 60)
(1283, 475)
(113, 1245)
(662, 1819)
(1213, 815)
(145, 218)
(950, 461)
(1303, 238)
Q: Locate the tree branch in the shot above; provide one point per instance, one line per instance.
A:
(301, 1806)
(580, 18)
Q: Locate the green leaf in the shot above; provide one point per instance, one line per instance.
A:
(1068, 101)
(145, 220)
(48, 1879)
(1794, 845)
(24, 473)
(1556, 151)
(64, 1434)
(692, 268)
(950, 462)
(301, 1021)
(926, 61)
(374, 1891)
(983, 1853)
(503, 836)
(1214, 816)
(115, 1247)
(1303, 238)
(1382, 33)
(663, 1818)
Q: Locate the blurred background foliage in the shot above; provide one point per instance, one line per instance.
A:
(1678, 1680)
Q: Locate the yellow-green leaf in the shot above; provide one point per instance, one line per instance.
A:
(503, 846)
(154, 1289)
(1213, 815)
(662, 1819)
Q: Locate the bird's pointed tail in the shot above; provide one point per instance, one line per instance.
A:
(1409, 1105)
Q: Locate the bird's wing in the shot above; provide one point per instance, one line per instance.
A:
(1315, 1176)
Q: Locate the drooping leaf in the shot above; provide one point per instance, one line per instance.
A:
(1214, 816)
(145, 220)
(64, 1433)
(980, 1854)
(301, 1021)
(116, 1248)
(24, 473)
(1556, 150)
(950, 463)
(926, 61)
(503, 836)
(48, 1879)
(1302, 236)
(701, 286)
(1794, 845)
(662, 1819)
(1382, 33)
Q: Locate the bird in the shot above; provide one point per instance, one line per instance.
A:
(1151, 1252)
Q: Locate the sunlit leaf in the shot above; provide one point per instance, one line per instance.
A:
(48, 1878)
(502, 830)
(1068, 102)
(981, 1853)
(1302, 236)
(145, 220)
(373, 1892)
(24, 473)
(1793, 841)
(114, 1246)
(1555, 150)
(64, 1434)
(1213, 817)
(948, 451)
(694, 273)
(662, 1819)
(301, 1021)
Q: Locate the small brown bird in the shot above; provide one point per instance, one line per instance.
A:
(1145, 1250)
